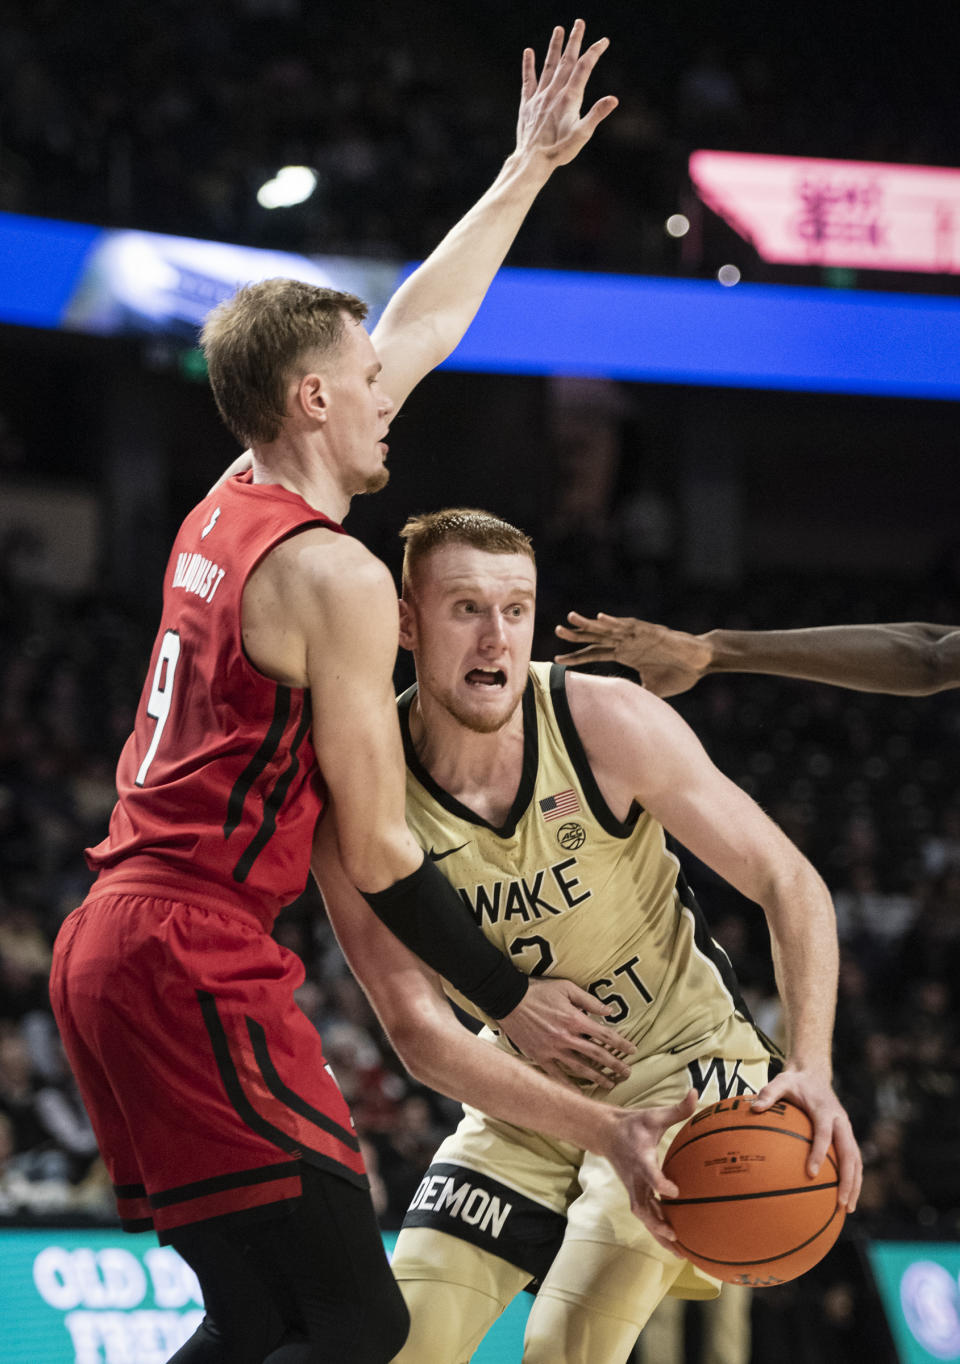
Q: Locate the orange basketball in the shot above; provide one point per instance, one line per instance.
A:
(747, 1211)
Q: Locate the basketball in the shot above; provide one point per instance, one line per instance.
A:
(747, 1211)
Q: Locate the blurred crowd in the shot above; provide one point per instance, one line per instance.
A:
(170, 116)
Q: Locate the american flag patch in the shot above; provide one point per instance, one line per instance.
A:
(563, 803)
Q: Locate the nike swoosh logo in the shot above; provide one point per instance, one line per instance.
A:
(439, 856)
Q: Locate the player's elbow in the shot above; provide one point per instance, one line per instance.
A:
(790, 881)
(379, 857)
(940, 667)
(420, 1048)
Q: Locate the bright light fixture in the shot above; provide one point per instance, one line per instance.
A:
(728, 275)
(291, 185)
(677, 225)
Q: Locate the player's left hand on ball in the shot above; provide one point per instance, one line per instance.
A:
(634, 1158)
(814, 1093)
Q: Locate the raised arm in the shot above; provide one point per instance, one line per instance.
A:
(430, 312)
(438, 1051)
(640, 749)
(905, 659)
(428, 315)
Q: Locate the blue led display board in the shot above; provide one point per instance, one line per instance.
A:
(639, 328)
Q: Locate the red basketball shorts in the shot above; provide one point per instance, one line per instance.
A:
(205, 1083)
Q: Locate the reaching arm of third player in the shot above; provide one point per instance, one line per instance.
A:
(904, 659)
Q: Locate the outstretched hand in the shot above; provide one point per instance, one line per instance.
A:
(560, 1027)
(549, 122)
(633, 1155)
(668, 661)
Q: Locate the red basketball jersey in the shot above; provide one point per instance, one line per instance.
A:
(218, 784)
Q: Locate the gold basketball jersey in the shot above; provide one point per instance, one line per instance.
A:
(564, 888)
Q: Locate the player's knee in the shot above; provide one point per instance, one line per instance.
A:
(394, 1329)
(577, 1336)
(447, 1321)
(381, 1331)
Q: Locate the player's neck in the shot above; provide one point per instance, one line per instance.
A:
(298, 468)
(482, 771)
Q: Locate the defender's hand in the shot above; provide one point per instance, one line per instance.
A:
(549, 122)
(561, 1028)
(668, 661)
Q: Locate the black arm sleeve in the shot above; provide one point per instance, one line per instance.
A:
(428, 916)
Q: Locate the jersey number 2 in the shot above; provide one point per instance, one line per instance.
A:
(161, 695)
(534, 941)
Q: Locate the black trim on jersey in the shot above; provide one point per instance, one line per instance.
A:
(137, 1224)
(273, 802)
(130, 1190)
(617, 828)
(294, 1101)
(530, 1235)
(257, 764)
(239, 1179)
(706, 945)
(239, 1217)
(528, 777)
(246, 1111)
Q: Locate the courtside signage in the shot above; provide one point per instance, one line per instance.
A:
(95, 1296)
(919, 1285)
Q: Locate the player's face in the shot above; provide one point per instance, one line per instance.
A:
(358, 413)
(470, 623)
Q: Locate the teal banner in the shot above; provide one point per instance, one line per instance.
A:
(919, 1286)
(102, 1297)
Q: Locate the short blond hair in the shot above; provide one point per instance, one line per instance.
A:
(428, 531)
(253, 341)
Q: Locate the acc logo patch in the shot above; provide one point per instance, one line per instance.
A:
(571, 836)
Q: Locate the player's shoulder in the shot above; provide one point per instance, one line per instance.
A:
(609, 710)
(593, 691)
(319, 556)
(327, 576)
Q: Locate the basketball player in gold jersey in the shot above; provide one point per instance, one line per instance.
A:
(544, 796)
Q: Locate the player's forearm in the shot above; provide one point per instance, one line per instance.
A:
(909, 659)
(803, 935)
(435, 306)
(449, 1059)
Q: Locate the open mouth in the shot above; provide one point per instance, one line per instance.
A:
(486, 677)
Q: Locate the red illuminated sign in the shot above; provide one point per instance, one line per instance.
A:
(866, 214)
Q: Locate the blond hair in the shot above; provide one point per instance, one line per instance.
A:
(253, 342)
(428, 531)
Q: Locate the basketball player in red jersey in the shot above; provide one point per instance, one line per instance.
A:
(268, 696)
